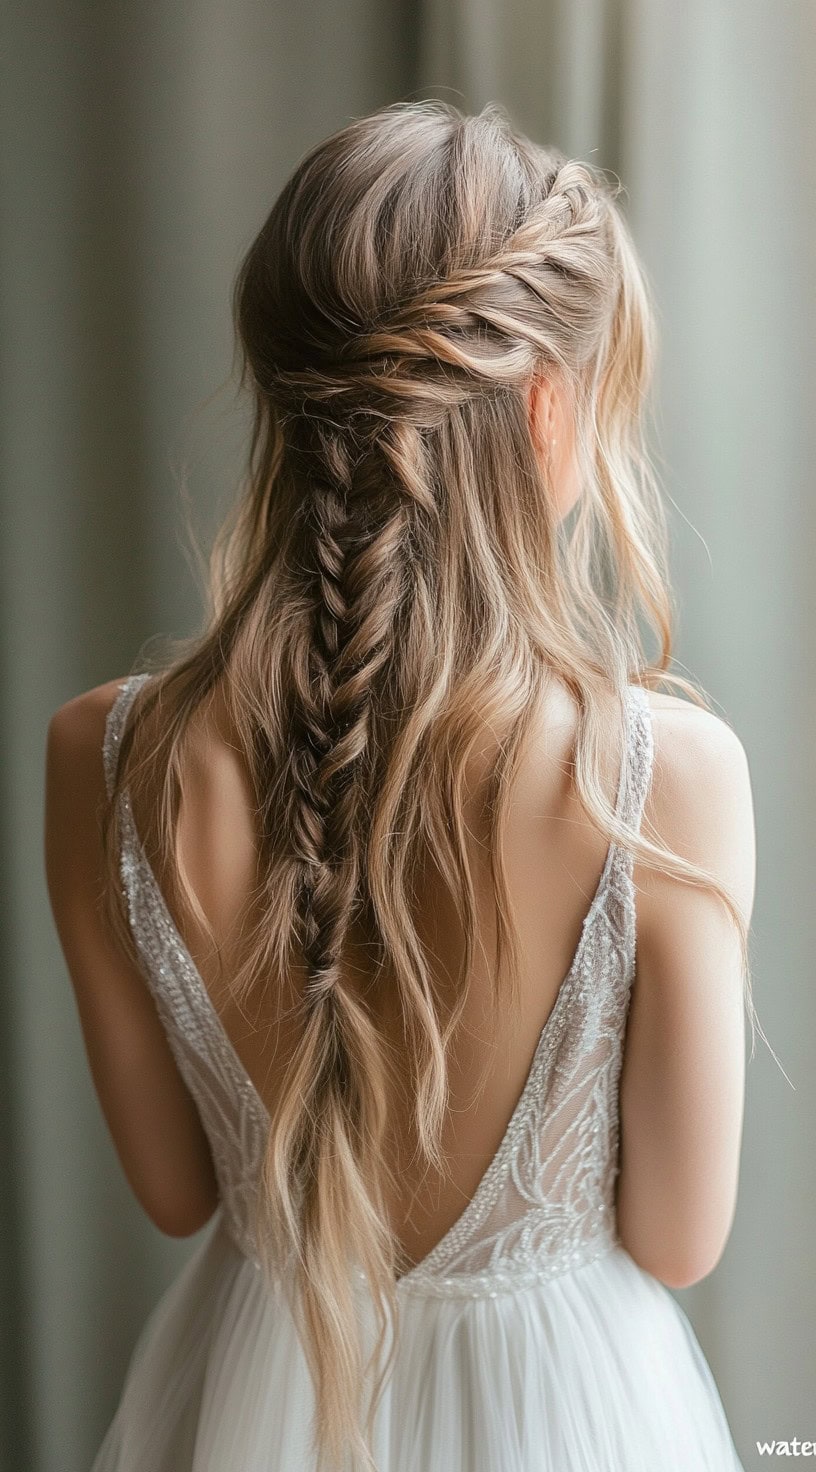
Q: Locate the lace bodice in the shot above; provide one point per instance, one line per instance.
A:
(545, 1205)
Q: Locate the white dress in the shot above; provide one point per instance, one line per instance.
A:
(529, 1339)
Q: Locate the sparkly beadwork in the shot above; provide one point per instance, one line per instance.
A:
(545, 1205)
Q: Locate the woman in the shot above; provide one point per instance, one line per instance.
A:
(376, 846)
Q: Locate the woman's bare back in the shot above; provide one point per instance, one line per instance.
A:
(554, 860)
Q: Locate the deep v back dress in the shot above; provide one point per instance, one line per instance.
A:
(529, 1339)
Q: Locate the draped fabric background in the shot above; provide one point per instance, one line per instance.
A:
(143, 146)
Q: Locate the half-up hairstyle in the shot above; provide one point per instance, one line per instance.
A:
(393, 580)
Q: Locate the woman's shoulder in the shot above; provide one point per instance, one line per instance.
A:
(76, 758)
(700, 801)
(694, 746)
(74, 790)
(76, 729)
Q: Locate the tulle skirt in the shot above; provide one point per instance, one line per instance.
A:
(595, 1371)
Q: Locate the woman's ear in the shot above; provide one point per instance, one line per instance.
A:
(552, 434)
(540, 408)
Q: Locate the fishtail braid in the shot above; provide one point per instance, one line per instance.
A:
(362, 494)
(358, 536)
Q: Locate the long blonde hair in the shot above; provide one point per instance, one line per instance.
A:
(392, 578)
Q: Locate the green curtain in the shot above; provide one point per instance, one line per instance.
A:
(143, 145)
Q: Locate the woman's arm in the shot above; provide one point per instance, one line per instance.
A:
(151, 1115)
(683, 1079)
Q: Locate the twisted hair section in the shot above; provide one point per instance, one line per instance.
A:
(393, 583)
(479, 328)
